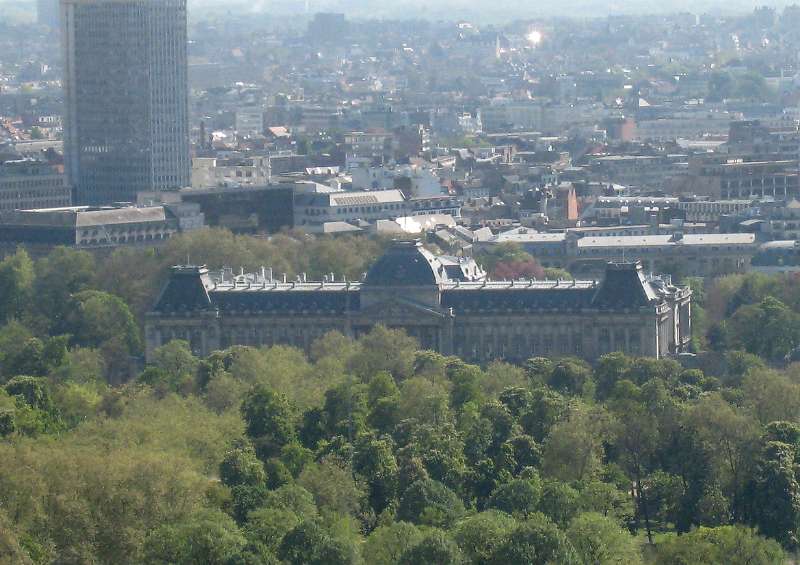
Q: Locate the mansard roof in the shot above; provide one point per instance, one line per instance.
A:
(520, 298)
(186, 289)
(406, 263)
(409, 265)
(625, 286)
(313, 300)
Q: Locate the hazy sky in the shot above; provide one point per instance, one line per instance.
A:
(495, 11)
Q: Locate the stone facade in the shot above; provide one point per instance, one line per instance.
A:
(447, 305)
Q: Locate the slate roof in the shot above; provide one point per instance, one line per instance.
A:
(624, 287)
(186, 290)
(406, 263)
(465, 299)
(318, 301)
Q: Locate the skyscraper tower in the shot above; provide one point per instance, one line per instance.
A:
(126, 91)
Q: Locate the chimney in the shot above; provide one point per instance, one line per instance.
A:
(652, 222)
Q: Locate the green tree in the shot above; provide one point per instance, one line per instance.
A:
(571, 376)
(223, 391)
(383, 349)
(505, 253)
(240, 466)
(479, 535)
(268, 526)
(574, 449)
(28, 359)
(637, 441)
(429, 502)
(345, 410)
(309, 544)
(295, 457)
(269, 419)
(209, 537)
(538, 370)
(59, 275)
(537, 540)
(425, 400)
(771, 396)
(599, 540)
(33, 391)
(11, 549)
(466, 383)
(611, 368)
(752, 86)
(436, 547)
(605, 498)
(518, 497)
(333, 345)
(178, 361)
(374, 461)
(770, 329)
(80, 365)
(333, 487)
(559, 502)
(775, 494)
(386, 544)
(440, 448)
(76, 403)
(95, 317)
(13, 337)
(16, 284)
(294, 498)
(737, 545)
(729, 436)
(546, 408)
(720, 86)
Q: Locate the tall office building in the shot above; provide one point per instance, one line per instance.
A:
(126, 91)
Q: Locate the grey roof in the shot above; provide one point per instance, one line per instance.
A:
(362, 198)
(780, 244)
(527, 235)
(82, 216)
(406, 263)
(696, 239)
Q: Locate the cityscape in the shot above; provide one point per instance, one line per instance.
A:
(431, 283)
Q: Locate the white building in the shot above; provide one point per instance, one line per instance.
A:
(209, 172)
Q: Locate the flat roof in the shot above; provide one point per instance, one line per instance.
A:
(668, 240)
(317, 286)
(83, 216)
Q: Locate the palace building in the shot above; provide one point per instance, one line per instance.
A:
(444, 302)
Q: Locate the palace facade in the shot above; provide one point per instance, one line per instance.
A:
(445, 303)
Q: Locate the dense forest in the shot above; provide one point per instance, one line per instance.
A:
(372, 451)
